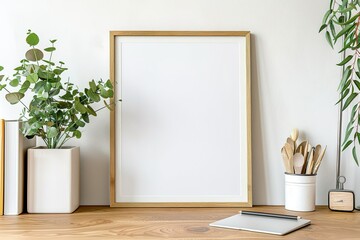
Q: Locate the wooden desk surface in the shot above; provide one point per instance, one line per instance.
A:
(167, 223)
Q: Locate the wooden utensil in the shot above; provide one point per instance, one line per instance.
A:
(289, 149)
(301, 147)
(294, 134)
(291, 142)
(285, 160)
(290, 153)
(318, 161)
(291, 164)
(306, 154)
(310, 162)
(317, 150)
(298, 162)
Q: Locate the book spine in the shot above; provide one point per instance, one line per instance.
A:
(2, 159)
(13, 187)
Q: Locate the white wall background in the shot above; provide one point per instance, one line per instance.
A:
(294, 74)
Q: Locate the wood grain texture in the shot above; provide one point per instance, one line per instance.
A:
(248, 113)
(341, 201)
(179, 33)
(167, 223)
(112, 123)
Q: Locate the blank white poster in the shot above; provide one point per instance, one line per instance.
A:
(179, 136)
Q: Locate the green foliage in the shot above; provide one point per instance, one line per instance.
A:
(341, 21)
(58, 109)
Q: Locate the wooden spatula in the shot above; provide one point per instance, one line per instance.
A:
(285, 160)
(318, 161)
(317, 151)
(291, 143)
(301, 147)
(305, 153)
(310, 162)
(290, 154)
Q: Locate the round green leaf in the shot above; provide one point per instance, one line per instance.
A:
(93, 96)
(79, 107)
(106, 93)
(77, 134)
(109, 84)
(32, 39)
(24, 87)
(67, 96)
(51, 132)
(39, 86)
(14, 82)
(1, 68)
(80, 123)
(14, 97)
(32, 78)
(93, 86)
(34, 55)
(85, 117)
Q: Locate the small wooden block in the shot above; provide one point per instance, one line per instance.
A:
(341, 200)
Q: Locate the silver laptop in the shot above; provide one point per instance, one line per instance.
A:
(263, 224)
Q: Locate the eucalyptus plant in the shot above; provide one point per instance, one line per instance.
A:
(58, 109)
(341, 26)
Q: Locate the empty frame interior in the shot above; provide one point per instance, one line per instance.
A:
(181, 135)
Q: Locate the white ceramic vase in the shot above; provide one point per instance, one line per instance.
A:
(53, 180)
(300, 192)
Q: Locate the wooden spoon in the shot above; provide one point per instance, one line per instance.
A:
(298, 162)
(294, 134)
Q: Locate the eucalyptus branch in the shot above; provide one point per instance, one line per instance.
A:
(22, 103)
(56, 113)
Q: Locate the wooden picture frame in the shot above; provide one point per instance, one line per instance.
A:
(136, 75)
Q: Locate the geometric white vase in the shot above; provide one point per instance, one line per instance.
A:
(53, 180)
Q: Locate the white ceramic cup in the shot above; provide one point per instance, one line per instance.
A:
(300, 192)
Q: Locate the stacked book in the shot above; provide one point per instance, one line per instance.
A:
(13, 148)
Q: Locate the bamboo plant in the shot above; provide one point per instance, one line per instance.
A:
(341, 26)
(58, 109)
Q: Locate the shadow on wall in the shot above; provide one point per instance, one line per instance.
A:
(258, 165)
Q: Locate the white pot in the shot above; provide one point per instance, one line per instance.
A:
(53, 180)
(300, 192)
